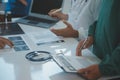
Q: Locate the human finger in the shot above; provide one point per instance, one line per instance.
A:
(89, 42)
(86, 73)
(2, 45)
(7, 42)
(52, 10)
(50, 13)
(66, 23)
(83, 71)
(56, 31)
(79, 49)
(24, 2)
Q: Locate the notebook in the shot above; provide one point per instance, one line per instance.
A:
(74, 63)
(38, 14)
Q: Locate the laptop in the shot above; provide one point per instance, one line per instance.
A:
(74, 63)
(38, 14)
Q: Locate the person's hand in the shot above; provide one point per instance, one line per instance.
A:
(4, 41)
(91, 72)
(84, 44)
(58, 15)
(66, 32)
(24, 2)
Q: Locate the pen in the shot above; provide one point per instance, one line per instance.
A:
(58, 41)
(83, 44)
(56, 10)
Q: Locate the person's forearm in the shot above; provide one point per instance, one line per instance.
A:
(24, 2)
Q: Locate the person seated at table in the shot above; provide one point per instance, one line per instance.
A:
(18, 8)
(105, 38)
(80, 17)
(4, 41)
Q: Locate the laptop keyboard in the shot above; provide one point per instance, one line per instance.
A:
(40, 19)
(65, 63)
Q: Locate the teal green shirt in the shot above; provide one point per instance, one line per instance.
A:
(106, 33)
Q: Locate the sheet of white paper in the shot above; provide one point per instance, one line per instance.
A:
(45, 36)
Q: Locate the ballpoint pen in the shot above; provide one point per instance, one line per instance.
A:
(83, 44)
(58, 41)
(56, 10)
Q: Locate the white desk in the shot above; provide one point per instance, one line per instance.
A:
(14, 66)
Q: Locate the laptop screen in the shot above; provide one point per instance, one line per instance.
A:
(44, 6)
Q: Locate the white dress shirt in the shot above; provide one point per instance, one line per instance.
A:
(76, 8)
(83, 14)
